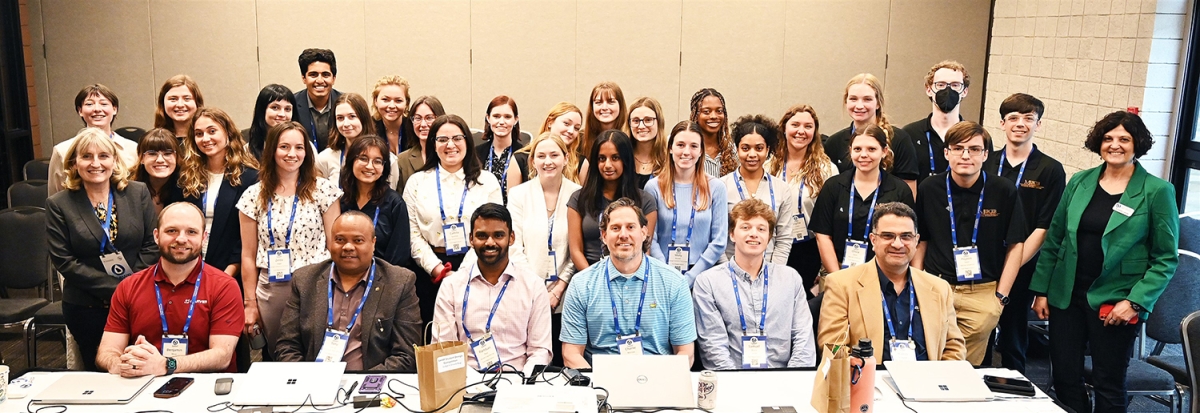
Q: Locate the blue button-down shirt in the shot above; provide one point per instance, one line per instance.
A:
(899, 305)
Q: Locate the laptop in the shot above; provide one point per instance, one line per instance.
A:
(289, 384)
(645, 381)
(92, 388)
(938, 381)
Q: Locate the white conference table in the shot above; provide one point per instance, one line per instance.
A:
(738, 392)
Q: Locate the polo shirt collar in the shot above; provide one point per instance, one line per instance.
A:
(744, 275)
(314, 108)
(161, 276)
(613, 273)
(508, 271)
(929, 124)
(975, 188)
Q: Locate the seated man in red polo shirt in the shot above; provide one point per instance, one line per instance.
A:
(178, 315)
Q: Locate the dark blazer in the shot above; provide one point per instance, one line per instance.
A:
(1141, 251)
(391, 319)
(407, 135)
(225, 237)
(74, 238)
(409, 162)
(305, 118)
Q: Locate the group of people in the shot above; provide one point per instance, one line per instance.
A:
(336, 204)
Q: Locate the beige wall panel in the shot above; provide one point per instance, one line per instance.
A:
(98, 42)
(914, 48)
(823, 50)
(224, 63)
(286, 28)
(426, 41)
(523, 49)
(735, 47)
(40, 80)
(632, 43)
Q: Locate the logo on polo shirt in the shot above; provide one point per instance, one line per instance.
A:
(1031, 184)
(990, 213)
(199, 301)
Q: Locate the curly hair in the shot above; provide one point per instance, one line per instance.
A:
(1142, 139)
(757, 124)
(814, 158)
(193, 175)
(726, 156)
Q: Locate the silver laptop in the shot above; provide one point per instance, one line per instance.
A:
(289, 384)
(938, 381)
(645, 381)
(92, 388)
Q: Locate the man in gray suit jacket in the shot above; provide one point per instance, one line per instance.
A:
(375, 320)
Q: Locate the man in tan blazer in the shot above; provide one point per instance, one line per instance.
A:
(854, 298)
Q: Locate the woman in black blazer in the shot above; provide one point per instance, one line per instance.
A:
(101, 230)
(218, 158)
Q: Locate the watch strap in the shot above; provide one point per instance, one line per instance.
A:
(171, 365)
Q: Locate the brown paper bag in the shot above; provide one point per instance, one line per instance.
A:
(441, 375)
(831, 389)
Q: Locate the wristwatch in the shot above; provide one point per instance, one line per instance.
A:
(1003, 298)
(1137, 307)
(171, 364)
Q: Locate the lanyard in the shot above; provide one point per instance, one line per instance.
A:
(162, 315)
(800, 206)
(1021, 174)
(854, 200)
(270, 232)
(912, 305)
(978, 212)
(762, 322)
(637, 325)
(550, 235)
(437, 170)
(737, 180)
(492, 314)
(357, 311)
(675, 219)
(313, 131)
(504, 169)
(929, 144)
(106, 226)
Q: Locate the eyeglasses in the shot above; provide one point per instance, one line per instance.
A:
(377, 162)
(425, 119)
(906, 237)
(642, 121)
(166, 153)
(456, 138)
(974, 150)
(955, 86)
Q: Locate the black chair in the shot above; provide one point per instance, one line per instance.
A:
(26, 263)
(37, 169)
(132, 133)
(1191, 350)
(1189, 232)
(30, 192)
(814, 307)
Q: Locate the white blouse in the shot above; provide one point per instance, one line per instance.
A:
(425, 217)
(531, 226)
(784, 205)
(308, 226)
(329, 166)
(807, 199)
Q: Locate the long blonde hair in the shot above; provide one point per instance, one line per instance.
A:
(815, 158)
(666, 178)
(86, 138)
(881, 118)
(569, 170)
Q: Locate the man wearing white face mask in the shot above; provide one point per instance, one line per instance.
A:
(946, 86)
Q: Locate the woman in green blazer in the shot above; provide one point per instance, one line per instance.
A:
(1111, 249)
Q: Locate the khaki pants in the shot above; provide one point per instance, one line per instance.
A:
(978, 311)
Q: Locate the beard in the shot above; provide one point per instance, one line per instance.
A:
(167, 256)
(501, 254)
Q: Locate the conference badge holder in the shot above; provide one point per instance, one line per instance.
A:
(551, 267)
(279, 265)
(678, 256)
(334, 346)
(174, 345)
(856, 253)
(630, 344)
(115, 265)
(486, 353)
(754, 352)
(456, 238)
(966, 264)
(903, 350)
(799, 228)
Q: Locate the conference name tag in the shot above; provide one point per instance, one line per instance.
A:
(279, 265)
(115, 265)
(174, 345)
(754, 352)
(334, 346)
(903, 350)
(856, 253)
(551, 267)
(630, 344)
(486, 353)
(678, 256)
(1123, 210)
(799, 229)
(456, 238)
(966, 263)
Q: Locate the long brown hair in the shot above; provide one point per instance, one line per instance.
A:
(161, 120)
(659, 151)
(159, 139)
(591, 125)
(666, 178)
(877, 133)
(268, 177)
(815, 158)
(337, 142)
(193, 176)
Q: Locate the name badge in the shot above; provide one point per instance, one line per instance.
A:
(903, 350)
(486, 353)
(174, 345)
(456, 238)
(1123, 210)
(799, 230)
(279, 265)
(334, 346)
(754, 352)
(966, 264)
(678, 256)
(856, 253)
(115, 265)
(551, 267)
(630, 344)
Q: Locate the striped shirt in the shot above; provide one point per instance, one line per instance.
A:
(521, 326)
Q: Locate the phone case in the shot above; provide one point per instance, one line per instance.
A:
(1107, 308)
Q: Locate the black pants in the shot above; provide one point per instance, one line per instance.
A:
(1013, 340)
(1072, 331)
(427, 290)
(87, 325)
(556, 344)
(806, 260)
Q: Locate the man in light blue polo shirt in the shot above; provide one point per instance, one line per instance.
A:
(627, 303)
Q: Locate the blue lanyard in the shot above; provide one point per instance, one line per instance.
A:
(675, 220)
(437, 170)
(854, 200)
(912, 306)
(1021, 174)
(313, 131)
(762, 322)
(492, 314)
(504, 171)
(637, 324)
(106, 226)
(162, 314)
(800, 206)
(550, 236)
(357, 311)
(929, 144)
(737, 180)
(978, 211)
(270, 233)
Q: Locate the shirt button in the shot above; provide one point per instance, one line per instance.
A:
(170, 302)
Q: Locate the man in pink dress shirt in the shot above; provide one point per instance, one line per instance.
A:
(496, 306)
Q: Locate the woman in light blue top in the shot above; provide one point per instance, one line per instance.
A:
(692, 225)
